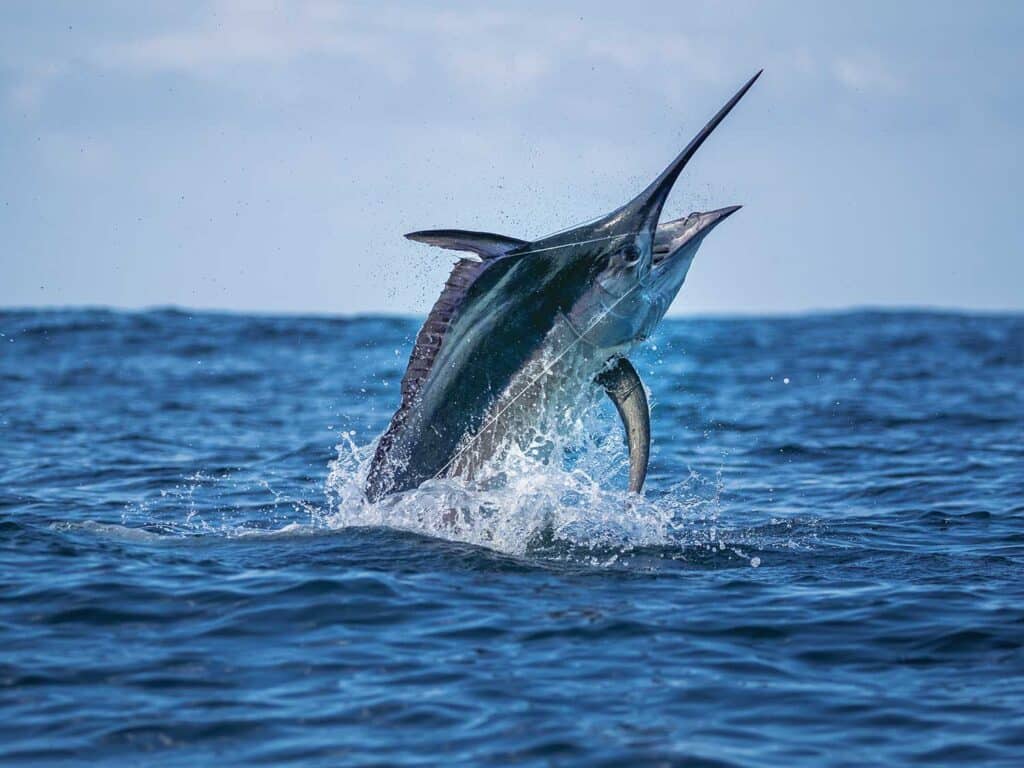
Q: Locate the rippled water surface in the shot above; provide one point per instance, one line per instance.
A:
(826, 568)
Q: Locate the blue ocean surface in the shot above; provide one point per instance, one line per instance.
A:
(827, 567)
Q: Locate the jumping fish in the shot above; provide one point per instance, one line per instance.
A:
(523, 327)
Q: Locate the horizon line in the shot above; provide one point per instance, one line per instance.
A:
(852, 309)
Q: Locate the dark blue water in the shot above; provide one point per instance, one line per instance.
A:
(828, 568)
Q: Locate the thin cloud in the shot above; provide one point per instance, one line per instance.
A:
(866, 72)
(234, 32)
(482, 49)
(492, 57)
(26, 94)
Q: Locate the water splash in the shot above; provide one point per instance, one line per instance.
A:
(568, 501)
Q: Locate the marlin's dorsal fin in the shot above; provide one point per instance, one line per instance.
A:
(623, 385)
(486, 245)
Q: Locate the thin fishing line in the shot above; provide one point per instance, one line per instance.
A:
(577, 242)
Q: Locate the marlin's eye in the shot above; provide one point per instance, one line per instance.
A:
(629, 255)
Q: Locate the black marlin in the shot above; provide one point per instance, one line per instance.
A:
(522, 328)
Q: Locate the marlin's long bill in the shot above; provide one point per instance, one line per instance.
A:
(645, 209)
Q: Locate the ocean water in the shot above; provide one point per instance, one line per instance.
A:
(827, 567)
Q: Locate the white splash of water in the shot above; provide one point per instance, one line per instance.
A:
(575, 497)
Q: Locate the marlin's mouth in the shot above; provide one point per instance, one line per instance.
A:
(672, 236)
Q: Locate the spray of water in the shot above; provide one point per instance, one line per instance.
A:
(563, 493)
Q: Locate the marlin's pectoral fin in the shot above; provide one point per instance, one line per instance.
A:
(623, 385)
(486, 245)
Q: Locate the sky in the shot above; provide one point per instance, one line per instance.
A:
(269, 156)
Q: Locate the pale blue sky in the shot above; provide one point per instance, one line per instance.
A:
(269, 156)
